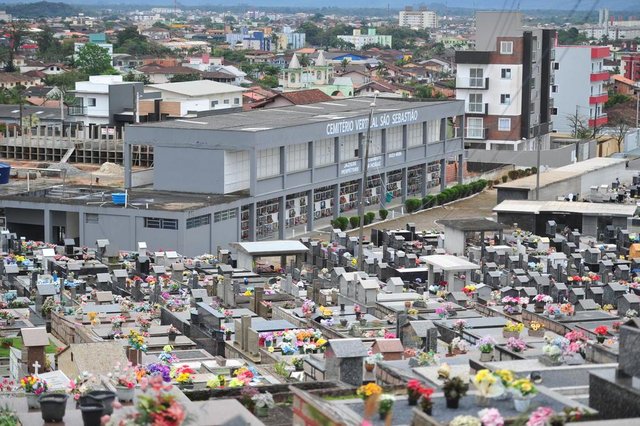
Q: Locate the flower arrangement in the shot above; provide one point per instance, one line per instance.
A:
(601, 330)
(541, 416)
(244, 375)
(459, 345)
(631, 313)
(536, 326)
(567, 309)
(370, 389)
(455, 388)
(424, 359)
(413, 391)
(228, 314)
(183, 374)
(425, 398)
(516, 345)
(486, 344)
(137, 341)
(143, 322)
(7, 385)
(298, 363)
(263, 400)
(385, 404)
(616, 326)
(213, 383)
(33, 384)
(513, 327)
(554, 348)
(374, 358)
(160, 370)
(470, 289)
(491, 417)
(459, 325)
(523, 388)
(82, 384)
(506, 376)
(488, 384)
(325, 312)
(608, 307)
(6, 315)
(124, 377)
(542, 298)
(465, 421)
(308, 306)
(155, 407)
(166, 356)
(552, 310)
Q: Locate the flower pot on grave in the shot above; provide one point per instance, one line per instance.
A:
(134, 356)
(262, 411)
(344, 322)
(412, 397)
(369, 367)
(172, 336)
(185, 386)
(91, 413)
(486, 356)
(358, 315)
(363, 322)
(453, 403)
(600, 339)
(482, 401)
(428, 411)
(32, 401)
(125, 394)
(521, 405)
(105, 398)
(508, 334)
(538, 307)
(536, 333)
(227, 336)
(53, 406)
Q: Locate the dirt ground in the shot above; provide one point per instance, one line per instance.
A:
(475, 207)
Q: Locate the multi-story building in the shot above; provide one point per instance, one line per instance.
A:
(630, 66)
(417, 19)
(253, 175)
(579, 91)
(190, 97)
(371, 37)
(506, 84)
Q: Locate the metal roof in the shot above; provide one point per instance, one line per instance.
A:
(448, 262)
(274, 248)
(591, 209)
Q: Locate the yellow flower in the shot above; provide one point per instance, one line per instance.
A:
(505, 375)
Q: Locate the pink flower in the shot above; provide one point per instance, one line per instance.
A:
(116, 404)
(540, 417)
(105, 419)
(491, 417)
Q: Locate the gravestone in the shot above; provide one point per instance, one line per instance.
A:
(586, 305)
(344, 359)
(627, 302)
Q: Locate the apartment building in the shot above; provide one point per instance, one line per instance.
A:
(417, 19)
(371, 37)
(506, 84)
(579, 88)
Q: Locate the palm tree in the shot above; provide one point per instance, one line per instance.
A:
(344, 63)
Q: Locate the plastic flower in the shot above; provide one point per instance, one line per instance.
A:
(601, 330)
(506, 376)
(488, 384)
(540, 417)
(491, 417)
(365, 391)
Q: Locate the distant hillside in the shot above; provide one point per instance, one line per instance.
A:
(41, 9)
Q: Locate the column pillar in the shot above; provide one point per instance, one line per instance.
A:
(282, 225)
(383, 190)
(404, 184)
(47, 226)
(336, 201)
(443, 174)
(127, 165)
(252, 222)
(424, 189)
(310, 210)
(461, 168)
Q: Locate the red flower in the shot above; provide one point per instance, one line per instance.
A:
(414, 385)
(426, 392)
(601, 330)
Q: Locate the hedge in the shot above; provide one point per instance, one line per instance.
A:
(341, 223)
(383, 213)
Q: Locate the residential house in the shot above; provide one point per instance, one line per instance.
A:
(159, 74)
(11, 80)
(156, 33)
(299, 97)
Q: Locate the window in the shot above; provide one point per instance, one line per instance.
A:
(268, 162)
(506, 48)
(505, 73)
(236, 101)
(224, 215)
(414, 134)
(394, 139)
(505, 99)
(324, 152)
(433, 131)
(297, 157)
(91, 102)
(504, 124)
(214, 103)
(475, 128)
(226, 101)
(475, 77)
(198, 221)
(475, 103)
(91, 218)
(348, 147)
(159, 223)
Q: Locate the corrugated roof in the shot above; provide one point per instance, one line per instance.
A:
(593, 209)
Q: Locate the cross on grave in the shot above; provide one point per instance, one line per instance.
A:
(36, 365)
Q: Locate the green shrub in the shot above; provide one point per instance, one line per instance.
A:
(513, 174)
(383, 213)
(369, 217)
(505, 178)
(441, 198)
(354, 221)
(496, 182)
(413, 204)
(528, 171)
(428, 201)
(341, 223)
(534, 170)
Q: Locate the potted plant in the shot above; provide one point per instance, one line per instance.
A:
(486, 346)
(454, 388)
(227, 333)
(263, 402)
(125, 383)
(517, 345)
(615, 327)
(173, 333)
(298, 363)
(540, 301)
(425, 400)
(413, 391)
(385, 405)
(8, 417)
(488, 385)
(183, 375)
(369, 390)
(33, 386)
(137, 345)
(512, 329)
(601, 333)
(246, 397)
(371, 361)
(53, 406)
(92, 413)
(536, 329)
(103, 397)
(358, 311)
(523, 392)
(344, 322)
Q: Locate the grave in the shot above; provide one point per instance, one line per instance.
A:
(344, 360)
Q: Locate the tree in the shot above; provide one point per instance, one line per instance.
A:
(142, 78)
(343, 64)
(269, 81)
(49, 49)
(129, 33)
(185, 77)
(67, 80)
(620, 133)
(304, 60)
(94, 60)
(580, 126)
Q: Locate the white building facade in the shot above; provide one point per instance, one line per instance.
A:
(418, 19)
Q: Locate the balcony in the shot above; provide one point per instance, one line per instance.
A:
(599, 76)
(600, 52)
(481, 109)
(472, 83)
(476, 133)
(600, 121)
(75, 110)
(598, 99)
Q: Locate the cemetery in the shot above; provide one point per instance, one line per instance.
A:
(480, 323)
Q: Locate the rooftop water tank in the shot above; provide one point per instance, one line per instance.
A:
(5, 170)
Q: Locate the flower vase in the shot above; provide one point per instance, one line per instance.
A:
(412, 397)
(521, 405)
(91, 414)
(125, 394)
(486, 356)
(428, 411)
(508, 334)
(383, 414)
(369, 367)
(363, 322)
(344, 322)
(172, 336)
(358, 314)
(453, 403)
(538, 307)
(600, 339)
(53, 406)
(134, 356)
(105, 398)
(262, 411)
(32, 401)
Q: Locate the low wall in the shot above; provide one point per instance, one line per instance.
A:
(549, 157)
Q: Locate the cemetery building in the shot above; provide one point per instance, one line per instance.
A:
(251, 176)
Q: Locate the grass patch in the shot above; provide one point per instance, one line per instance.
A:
(16, 342)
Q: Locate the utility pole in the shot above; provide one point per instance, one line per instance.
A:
(538, 169)
(363, 185)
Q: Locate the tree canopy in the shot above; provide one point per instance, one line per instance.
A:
(94, 60)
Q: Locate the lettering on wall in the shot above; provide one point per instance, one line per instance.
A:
(379, 121)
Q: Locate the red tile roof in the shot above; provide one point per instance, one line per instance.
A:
(305, 97)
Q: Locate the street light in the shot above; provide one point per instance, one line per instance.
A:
(363, 186)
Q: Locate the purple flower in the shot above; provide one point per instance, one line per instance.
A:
(158, 369)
